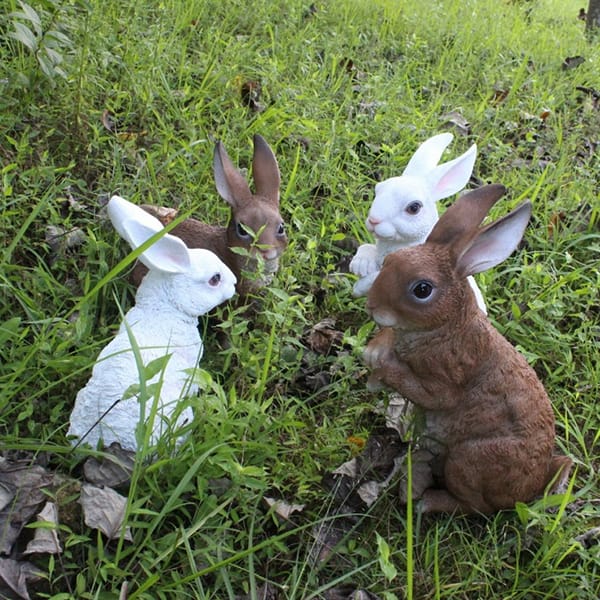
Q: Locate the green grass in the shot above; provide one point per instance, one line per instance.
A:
(348, 92)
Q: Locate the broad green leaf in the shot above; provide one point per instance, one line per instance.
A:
(31, 15)
(24, 35)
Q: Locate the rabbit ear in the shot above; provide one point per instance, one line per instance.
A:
(136, 226)
(494, 243)
(231, 185)
(461, 219)
(121, 210)
(168, 253)
(428, 155)
(451, 177)
(265, 170)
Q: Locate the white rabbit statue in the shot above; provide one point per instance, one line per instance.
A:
(181, 284)
(404, 209)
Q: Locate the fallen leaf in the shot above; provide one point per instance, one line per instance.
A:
(555, 220)
(571, 62)
(589, 538)
(60, 240)
(317, 381)
(459, 123)
(163, 213)
(7, 493)
(45, 539)
(28, 482)
(108, 121)
(398, 413)
(499, 95)
(283, 508)
(311, 11)
(328, 534)
(348, 592)
(367, 148)
(369, 473)
(16, 574)
(104, 509)
(250, 92)
(356, 442)
(323, 336)
(111, 470)
(592, 94)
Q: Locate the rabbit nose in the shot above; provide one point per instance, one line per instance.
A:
(373, 221)
(269, 253)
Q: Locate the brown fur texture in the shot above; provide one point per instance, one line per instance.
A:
(255, 224)
(489, 425)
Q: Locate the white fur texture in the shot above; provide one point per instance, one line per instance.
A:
(162, 322)
(404, 209)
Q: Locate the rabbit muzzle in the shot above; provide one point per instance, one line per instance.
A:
(381, 229)
(372, 222)
(270, 254)
(382, 316)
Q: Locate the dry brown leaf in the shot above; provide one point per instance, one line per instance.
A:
(555, 221)
(457, 120)
(7, 493)
(108, 121)
(113, 469)
(348, 592)
(571, 62)
(104, 509)
(60, 240)
(15, 575)
(164, 214)
(250, 92)
(499, 95)
(45, 539)
(589, 538)
(28, 482)
(323, 336)
(283, 508)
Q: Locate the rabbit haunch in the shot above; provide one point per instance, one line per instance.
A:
(180, 285)
(489, 425)
(404, 209)
(255, 223)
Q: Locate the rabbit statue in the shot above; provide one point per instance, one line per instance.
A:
(180, 285)
(404, 209)
(255, 224)
(489, 430)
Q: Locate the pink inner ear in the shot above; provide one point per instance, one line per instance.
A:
(168, 253)
(495, 243)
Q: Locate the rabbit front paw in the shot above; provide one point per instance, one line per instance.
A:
(363, 285)
(380, 350)
(364, 261)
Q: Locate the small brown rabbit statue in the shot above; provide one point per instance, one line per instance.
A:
(255, 224)
(489, 429)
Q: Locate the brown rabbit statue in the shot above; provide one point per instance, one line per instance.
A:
(255, 224)
(489, 428)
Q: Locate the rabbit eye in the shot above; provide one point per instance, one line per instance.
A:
(281, 230)
(422, 290)
(215, 280)
(242, 232)
(414, 207)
